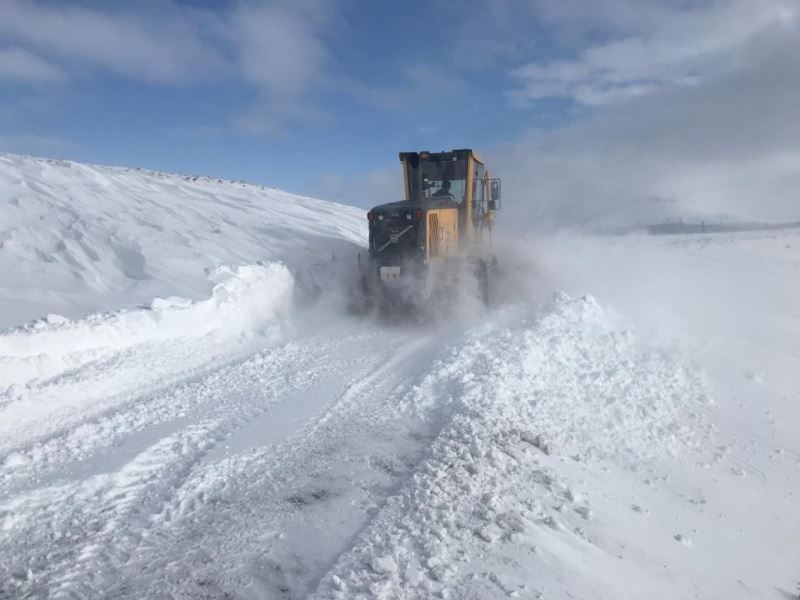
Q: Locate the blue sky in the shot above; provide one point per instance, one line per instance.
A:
(374, 78)
(318, 97)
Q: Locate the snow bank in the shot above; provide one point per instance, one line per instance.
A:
(571, 385)
(77, 239)
(243, 299)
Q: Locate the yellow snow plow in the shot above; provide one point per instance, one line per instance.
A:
(421, 248)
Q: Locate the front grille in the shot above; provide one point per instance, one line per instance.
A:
(394, 239)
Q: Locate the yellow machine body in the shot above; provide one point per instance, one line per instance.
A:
(443, 225)
(465, 227)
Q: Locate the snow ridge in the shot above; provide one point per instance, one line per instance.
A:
(245, 298)
(78, 239)
(569, 385)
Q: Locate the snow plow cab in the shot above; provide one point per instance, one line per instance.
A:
(422, 246)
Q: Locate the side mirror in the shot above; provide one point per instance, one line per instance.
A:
(495, 194)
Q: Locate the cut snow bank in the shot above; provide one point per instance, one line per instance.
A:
(243, 299)
(78, 239)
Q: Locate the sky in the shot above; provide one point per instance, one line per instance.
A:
(590, 110)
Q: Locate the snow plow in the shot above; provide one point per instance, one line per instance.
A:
(425, 249)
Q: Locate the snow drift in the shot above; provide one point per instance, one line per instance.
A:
(77, 239)
(244, 299)
(528, 391)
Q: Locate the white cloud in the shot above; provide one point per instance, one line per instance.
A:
(283, 57)
(657, 46)
(169, 46)
(276, 48)
(20, 65)
(729, 145)
(279, 49)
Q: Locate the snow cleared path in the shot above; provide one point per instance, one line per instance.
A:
(235, 446)
(354, 459)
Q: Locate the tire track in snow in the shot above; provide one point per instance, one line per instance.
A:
(245, 501)
(100, 513)
(106, 388)
(88, 502)
(131, 411)
(87, 527)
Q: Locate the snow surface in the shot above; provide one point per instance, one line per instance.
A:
(619, 425)
(78, 238)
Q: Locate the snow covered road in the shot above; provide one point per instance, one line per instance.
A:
(76, 501)
(297, 465)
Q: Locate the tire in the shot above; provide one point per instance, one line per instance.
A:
(481, 273)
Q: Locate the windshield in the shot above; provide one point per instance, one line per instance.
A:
(442, 178)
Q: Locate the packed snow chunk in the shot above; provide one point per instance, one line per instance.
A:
(384, 565)
(593, 389)
(244, 299)
(14, 392)
(338, 583)
(682, 539)
(489, 533)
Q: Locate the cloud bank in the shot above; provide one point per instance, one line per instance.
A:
(693, 117)
(275, 48)
(668, 45)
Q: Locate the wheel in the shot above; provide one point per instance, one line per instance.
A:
(481, 273)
